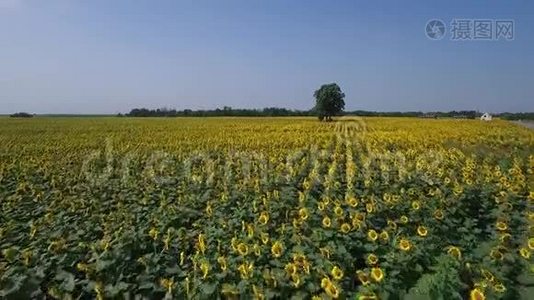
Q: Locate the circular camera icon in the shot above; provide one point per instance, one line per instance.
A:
(435, 29)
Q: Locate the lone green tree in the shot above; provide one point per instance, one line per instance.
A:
(329, 101)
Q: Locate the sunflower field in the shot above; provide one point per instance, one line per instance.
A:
(265, 208)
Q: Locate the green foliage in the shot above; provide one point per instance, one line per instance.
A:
(91, 209)
(443, 282)
(329, 101)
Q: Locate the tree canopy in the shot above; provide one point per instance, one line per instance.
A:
(21, 115)
(329, 101)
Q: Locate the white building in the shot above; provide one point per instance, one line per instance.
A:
(486, 117)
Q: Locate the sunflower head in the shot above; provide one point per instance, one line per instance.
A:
(264, 218)
(352, 202)
(487, 275)
(524, 252)
(372, 259)
(242, 249)
(362, 277)
(384, 236)
(221, 260)
(377, 274)
(204, 267)
(505, 238)
(345, 228)
(392, 224)
(153, 233)
(500, 225)
(422, 231)
(338, 211)
(499, 288)
(325, 282)
(291, 269)
(454, 252)
(264, 238)
(295, 280)
(277, 249)
(496, 254)
(327, 222)
(337, 273)
(405, 245)
(477, 294)
(438, 214)
(372, 235)
(332, 290)
(303, 214)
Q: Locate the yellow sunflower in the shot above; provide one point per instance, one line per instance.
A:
(221, 260)
(392, 224)
(372, 235)
(384, 235)
(352, 202)
(327, 222)
(277, 249)
(291, 269)
(264, 238)
(500, 225)
(477, 294)
(499, 288)
(405, 245)
(487, 274)
(496, 254)
(438, 214)
(325, 282)
(345, 227)
(454, 252)
(337, 273)
(242, 248)
(422, 231)
(525, 253)
(264, 218)
(505, 237)
(372, 259)
(332, 290)
(361, 217)
(377, 274)
(303, 214)
(362, 277)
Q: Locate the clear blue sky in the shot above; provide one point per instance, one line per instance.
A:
(110, 56)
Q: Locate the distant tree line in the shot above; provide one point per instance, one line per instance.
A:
(21, 115)
(517, 116)
(284, 112)
(225, 111)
